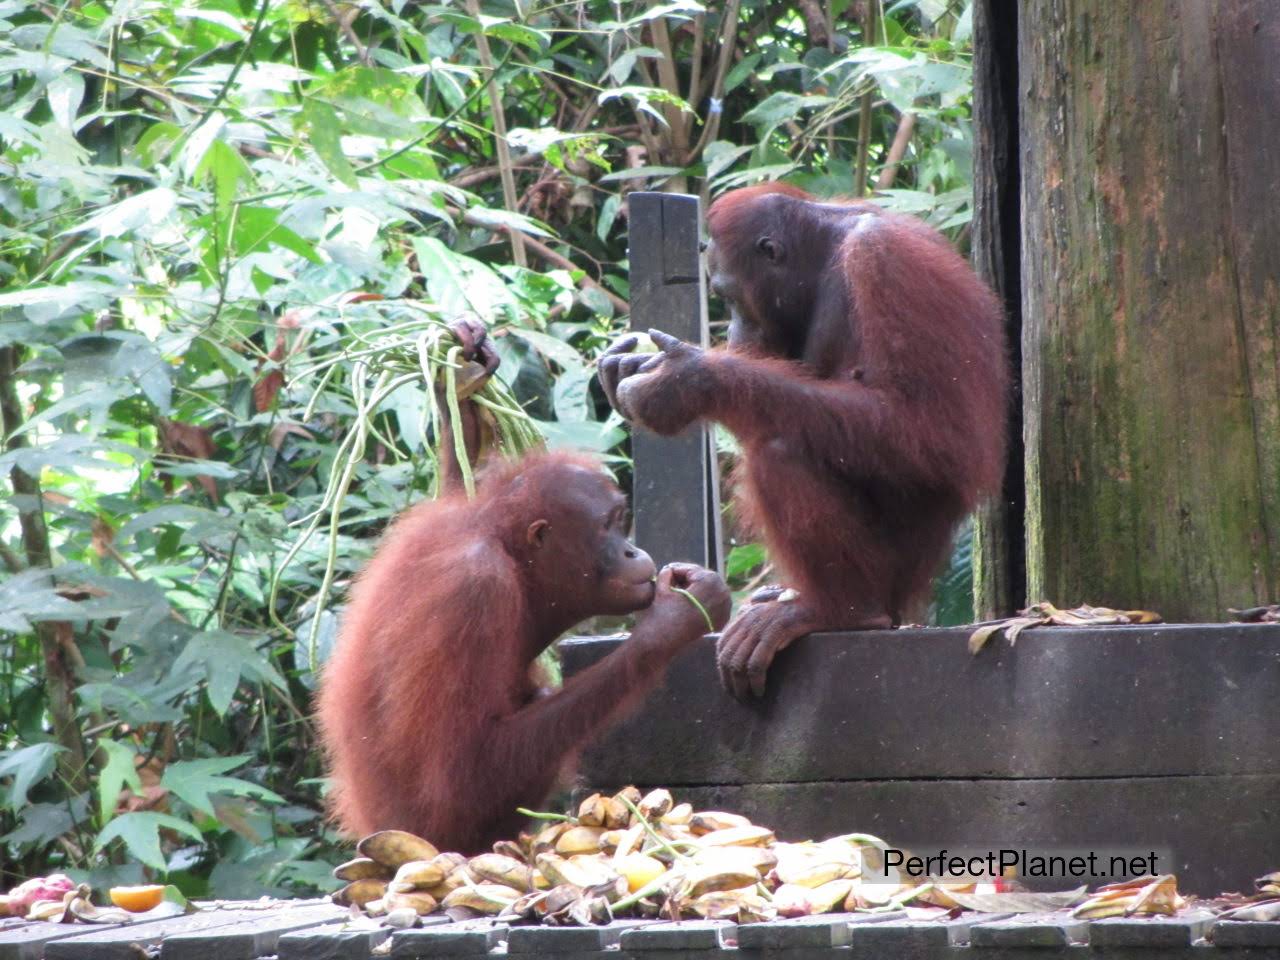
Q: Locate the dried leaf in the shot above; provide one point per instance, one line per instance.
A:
(1018, 901)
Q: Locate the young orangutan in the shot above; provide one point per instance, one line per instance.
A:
(428, 712)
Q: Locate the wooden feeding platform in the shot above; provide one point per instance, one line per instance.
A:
(1162, 738)
(316, 931)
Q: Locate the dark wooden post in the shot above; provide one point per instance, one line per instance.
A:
(676, 491)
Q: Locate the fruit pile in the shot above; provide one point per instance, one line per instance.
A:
(60, 899)
(636, 856)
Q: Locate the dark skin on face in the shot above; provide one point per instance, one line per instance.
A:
(429, 712)
(865, 378)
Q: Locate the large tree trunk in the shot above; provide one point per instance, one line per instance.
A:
(1151, 302)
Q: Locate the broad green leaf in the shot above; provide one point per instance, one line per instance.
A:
(27, 766)
(323, 130)
(140, 833)
(195, 780)
(550, 347)
(118, 772)
(743, 559)
(149, 208)
(226, 659)
(223, 164)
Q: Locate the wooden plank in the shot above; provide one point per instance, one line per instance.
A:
(1150, 932)
(1062, 703)
(28, 941)
(469, 938)
(678, 935)
(915, 939)
(340, 941)
(534, 940)
(675, 496)
(1038, 930)
(1246, 933)
(256, 935)
(124, 942)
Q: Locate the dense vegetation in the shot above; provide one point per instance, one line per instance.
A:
(226, 229)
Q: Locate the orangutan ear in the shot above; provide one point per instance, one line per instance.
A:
(537, 532)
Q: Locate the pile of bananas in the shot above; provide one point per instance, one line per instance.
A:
(1142, 896)
(629, 855)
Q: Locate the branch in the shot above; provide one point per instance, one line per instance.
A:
(59, 678)
(502, 148)
(897, 151)
(864, 115)
(728, 38)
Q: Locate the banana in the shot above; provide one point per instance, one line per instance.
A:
(759, 859)
(738, 905)
(393, 848)
(814, 872)
(486, 898)
(547, 836)
(706, 821)
(579, 871)
(655, 803)
(678, 815)
(630, 792)
(702, 880)
(579, 840)
(592, 811)
(421, 903)
(748, 836)
(361, 868)
(830, 895)
(495, 868)
(360, 892)
(616, 814)
(417, 875)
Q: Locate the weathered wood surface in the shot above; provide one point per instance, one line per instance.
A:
(1151, 305)
(999, 568)
(675, 492)
(1159, 737)
(1180, 700)
(1053, 936)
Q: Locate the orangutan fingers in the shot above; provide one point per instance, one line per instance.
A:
(623, 345)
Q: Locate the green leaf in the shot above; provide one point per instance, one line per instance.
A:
(195, 780)
(743, 559)
(550, 347)
(147, 209)
(777, 108)
(120, 771)
(322, 128)
(140, 833)
(223, 163)
(226, 659)
(28, 766)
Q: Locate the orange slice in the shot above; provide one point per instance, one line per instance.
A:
(137, 899)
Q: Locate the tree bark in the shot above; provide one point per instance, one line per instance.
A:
(1151, 305)
(55, 638)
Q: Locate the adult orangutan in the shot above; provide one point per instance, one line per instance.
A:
(428, 711)
(865, 378)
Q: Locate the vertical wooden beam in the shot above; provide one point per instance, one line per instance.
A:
(1151, 311)
(676, 489)
(999, 533)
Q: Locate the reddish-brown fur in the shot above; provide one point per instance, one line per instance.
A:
(866, 381)
(429, 717)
